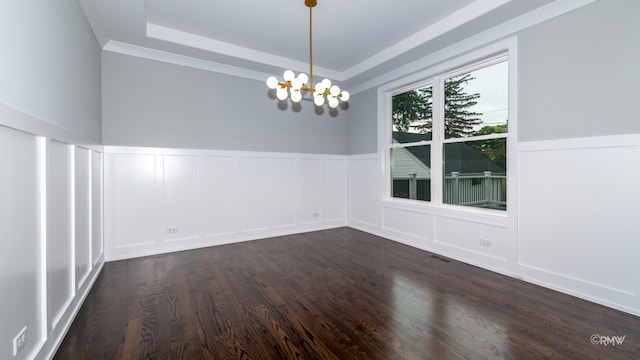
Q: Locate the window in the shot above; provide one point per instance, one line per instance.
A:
(457, 121)
(410, 154)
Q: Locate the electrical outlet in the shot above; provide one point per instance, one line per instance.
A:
(315, 214)
(20, 341)
(485, 243)
(172, 230)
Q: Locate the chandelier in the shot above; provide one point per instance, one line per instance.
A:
(297, 84)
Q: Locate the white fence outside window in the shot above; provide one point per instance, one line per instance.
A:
(488, 190)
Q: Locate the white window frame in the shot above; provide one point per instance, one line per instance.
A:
(435, 75)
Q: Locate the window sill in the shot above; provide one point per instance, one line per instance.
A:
(477, 215)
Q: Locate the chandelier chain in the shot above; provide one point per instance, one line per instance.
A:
(310, 44)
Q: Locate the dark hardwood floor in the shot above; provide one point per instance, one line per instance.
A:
(336, 294)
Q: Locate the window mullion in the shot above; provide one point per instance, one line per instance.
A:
(438, 137)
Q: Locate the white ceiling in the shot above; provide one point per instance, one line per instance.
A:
(352, 39)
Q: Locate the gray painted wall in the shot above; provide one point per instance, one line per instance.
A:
(363, 122)
(577, 77)
(50, 64)
(154, 104)
(578, 73)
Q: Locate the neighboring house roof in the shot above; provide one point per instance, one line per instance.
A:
(474, 160)
(404, 137)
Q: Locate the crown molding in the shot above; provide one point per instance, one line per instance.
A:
(215, 46)
(460, 17)
(182, 60)
(508, 28)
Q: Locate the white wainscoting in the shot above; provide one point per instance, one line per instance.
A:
(22, 246)
(252, 206)
(283, 199)
(575, 228)
(163, 200)
(61, 242)
(334, 184)
(364, 192)
(97, 245)
(50, 213)
(136, 195)
(219, 173)
(579, 214)
(181, 198)
(83, 216)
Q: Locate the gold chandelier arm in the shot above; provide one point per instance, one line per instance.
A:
(287, 85)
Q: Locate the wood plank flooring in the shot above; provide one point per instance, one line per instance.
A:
(335, 294)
